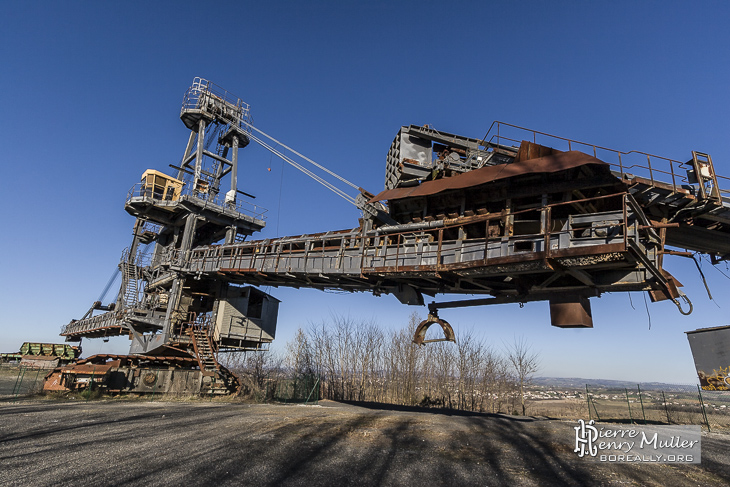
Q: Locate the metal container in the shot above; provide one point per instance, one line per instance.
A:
(711, 352)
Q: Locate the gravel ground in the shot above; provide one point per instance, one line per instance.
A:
(209, 443)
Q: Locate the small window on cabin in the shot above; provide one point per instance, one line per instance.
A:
(255, 304)
(147, 186)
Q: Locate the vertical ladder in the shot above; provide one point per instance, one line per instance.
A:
(705, 174)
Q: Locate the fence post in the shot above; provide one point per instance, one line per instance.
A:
(19, 381)
(702, 404)
(643, 414)
(666, 409)
(91, 384)
(588, 400)
(598, 416)
(310, 392)
(35, 381)
(629, 405)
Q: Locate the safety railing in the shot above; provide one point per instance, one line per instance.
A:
(107, 320)
(390, 251)
(151, 227)
(572, 233)
(649, 166)
(240, 327)
(164, 256)
(143, 258)
(140, 190)
(268, 254)
(207, 96)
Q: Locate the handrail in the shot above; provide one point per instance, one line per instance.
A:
(203, 90)
(240, 206)
(256, 254)
(92, 322)
(673, 165)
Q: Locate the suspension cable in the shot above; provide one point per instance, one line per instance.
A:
(303, 169)
(301, 155)
(109, 284)
(704, 281)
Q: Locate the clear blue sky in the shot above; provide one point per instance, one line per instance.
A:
(91, 94)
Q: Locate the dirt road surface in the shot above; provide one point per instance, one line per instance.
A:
(207, 443)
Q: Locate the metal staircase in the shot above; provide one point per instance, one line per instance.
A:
(131, 279)
(220, 379)
(204, 350)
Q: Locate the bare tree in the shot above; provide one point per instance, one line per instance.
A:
(359, 360)
(469, 358)
(525, 363)
(444, 364)
(256, 370)
(496, 381)
(299, 354)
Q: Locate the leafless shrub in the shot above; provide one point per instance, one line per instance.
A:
(257, 370)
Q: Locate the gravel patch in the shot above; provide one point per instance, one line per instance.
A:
(210, 443)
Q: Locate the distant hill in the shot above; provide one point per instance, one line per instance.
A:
(579, 383)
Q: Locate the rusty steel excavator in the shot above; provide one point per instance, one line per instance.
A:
(503, 217)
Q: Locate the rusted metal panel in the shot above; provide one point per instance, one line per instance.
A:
(671, 292)
(54, 382)
(39, 361)
(571, 312)
(530, 150)
(548, 164)
(87, 369)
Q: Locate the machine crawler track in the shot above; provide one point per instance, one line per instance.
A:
(142, 374)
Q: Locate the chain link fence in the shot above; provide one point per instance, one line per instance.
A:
(659, 404)
(19, 381)
(300, 389)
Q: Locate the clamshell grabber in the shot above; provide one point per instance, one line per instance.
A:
(419, 337)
